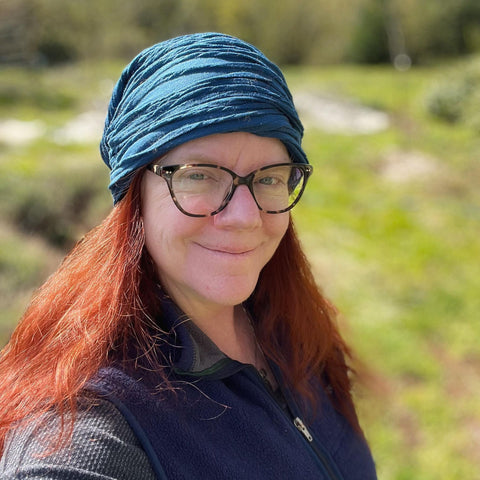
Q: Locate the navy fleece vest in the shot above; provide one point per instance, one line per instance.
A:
(222, 422)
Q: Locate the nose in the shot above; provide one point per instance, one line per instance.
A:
(241, 212)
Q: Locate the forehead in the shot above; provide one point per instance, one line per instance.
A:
(239, 149)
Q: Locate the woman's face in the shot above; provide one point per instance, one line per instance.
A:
(213, 261)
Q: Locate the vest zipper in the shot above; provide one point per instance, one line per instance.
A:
(326, 464)
(300, 426)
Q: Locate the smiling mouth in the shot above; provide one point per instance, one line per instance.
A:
(229, 251)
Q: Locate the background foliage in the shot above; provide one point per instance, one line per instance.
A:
(290, 31)
(390, 219)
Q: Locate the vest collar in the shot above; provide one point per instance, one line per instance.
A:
(194, 354)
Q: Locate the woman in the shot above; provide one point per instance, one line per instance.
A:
(185, 336)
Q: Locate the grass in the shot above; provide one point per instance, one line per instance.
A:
(398, 255)
(399, 259)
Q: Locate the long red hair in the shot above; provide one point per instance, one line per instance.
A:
(103, 296)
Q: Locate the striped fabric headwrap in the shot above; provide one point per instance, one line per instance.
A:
(190, 87)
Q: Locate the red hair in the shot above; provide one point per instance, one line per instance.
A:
(103, 297)
(297, 327)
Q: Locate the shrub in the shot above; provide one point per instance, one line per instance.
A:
(55, 203)
(456, 99)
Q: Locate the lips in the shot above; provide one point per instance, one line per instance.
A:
(229, 250)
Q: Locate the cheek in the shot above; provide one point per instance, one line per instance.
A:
(155, 214)
(274, 228)
(276, 225)
(153, 238)
(162, 230)
(167, 230)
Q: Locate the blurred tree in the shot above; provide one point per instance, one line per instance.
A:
(434, 29)
(469, 20)
(387, 29)
(369, 42)
(16, 28)
(289, 31)
(85, 28)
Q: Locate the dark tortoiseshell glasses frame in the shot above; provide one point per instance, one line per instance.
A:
(297, 180)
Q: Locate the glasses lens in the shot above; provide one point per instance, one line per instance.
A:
(277, 188)
(201, 190)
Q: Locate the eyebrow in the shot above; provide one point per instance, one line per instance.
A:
(204, 157)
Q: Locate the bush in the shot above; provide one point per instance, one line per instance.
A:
(56, 203)
(297, 31)
(456, 99)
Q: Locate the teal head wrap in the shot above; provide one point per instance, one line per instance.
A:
(190, 87)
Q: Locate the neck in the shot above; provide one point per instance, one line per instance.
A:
(227, 326)
(237, 340)
(231, 331)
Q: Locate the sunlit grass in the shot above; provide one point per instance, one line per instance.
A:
(399, 259)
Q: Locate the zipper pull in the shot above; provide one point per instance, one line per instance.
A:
(301, 426)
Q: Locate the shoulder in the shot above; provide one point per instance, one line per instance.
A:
(103, 446)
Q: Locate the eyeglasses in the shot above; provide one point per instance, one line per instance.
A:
(202, 190)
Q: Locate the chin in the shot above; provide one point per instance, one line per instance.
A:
(233, 294)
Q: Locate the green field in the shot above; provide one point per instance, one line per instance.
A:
(391, 223)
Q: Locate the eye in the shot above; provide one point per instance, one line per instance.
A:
(196, 176)
(272, 178)
(269, 181)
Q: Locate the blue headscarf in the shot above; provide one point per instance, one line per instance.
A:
(190, 87)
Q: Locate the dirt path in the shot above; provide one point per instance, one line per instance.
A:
(339, 115)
